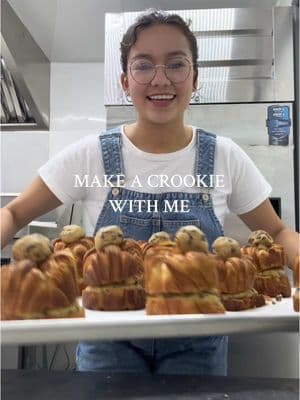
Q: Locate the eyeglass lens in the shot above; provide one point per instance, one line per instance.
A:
(177, 70)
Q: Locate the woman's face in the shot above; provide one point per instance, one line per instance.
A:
(159, 101)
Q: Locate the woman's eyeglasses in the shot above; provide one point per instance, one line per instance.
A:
(177, 70)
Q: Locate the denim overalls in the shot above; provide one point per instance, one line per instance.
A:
(197, 355)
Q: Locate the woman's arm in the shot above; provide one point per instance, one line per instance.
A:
(36, 200)
(264, 217)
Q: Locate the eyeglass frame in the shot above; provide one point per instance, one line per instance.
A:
(191, 65)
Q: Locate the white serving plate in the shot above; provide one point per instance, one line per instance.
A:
(104, 325)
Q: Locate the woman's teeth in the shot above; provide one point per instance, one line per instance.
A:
(162, 97)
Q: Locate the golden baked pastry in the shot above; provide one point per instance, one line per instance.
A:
(269, 259)
(60, 268)
(28, 293)
(72, 237)
(296, 300)
(266, 258)
(188, 273)
(38, 249)
(236, 276)
(296, 296)
(39, 284)
(179, 281)
(181, 284)
(226, 247)
(260, 238)
(160, 242)
(33, 247)
(191, 238)
(159, 238)
(197, 303)
(113, 273)
(295, 267)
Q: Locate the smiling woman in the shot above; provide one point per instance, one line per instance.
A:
(159, 79)
(159, 72)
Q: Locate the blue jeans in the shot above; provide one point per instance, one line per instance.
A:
(184, 356)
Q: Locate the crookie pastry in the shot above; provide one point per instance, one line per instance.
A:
(296, 296)
(269, 259)
(72, 237)
(159, 242)
(39, 284)
(113, 273)
(236, 276)
(180, 281)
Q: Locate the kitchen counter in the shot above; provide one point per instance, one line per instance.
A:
(59, 385)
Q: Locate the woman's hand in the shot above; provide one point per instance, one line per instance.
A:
(36, 200)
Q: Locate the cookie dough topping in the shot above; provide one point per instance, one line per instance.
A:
(191, 238)
(226, 247)
(107, 235)
(261, 239)
(160, 238)
(71, 233)
(33, 247)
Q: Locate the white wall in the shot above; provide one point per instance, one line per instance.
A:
(22, 153)
(77, 97)
(77, 110)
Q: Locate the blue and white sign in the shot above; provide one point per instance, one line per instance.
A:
(278, 124)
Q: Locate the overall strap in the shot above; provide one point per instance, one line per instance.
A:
(111, 144)
(205, 156)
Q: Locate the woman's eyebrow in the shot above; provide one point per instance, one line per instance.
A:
(170, 54)
(141, 55)
(177, 53)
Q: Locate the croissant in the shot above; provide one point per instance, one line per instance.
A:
(38, 249)
(60, 269)
(236, 276)
(160, 248)
(236, 280)
(114, 297)
(270, 279)
(78, 248)
(133, 248)
(181, 284)
(113, 273)
(296, 300)
(295, 266)
(109, 266)
(266, 258)
(177, 273)
(198, 303)
(160, 242)
(272, 283)
(27, 293)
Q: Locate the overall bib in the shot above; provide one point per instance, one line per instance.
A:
(197, 355)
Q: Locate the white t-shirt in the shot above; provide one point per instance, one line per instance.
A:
(244, 187)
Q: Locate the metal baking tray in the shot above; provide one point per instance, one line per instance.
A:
(104, 325)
